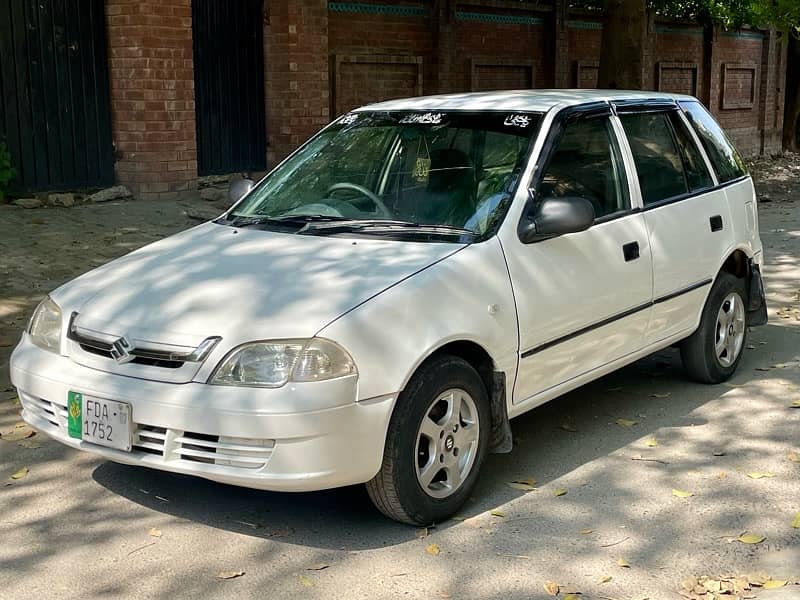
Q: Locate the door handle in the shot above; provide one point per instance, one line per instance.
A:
(630, 251)
(716, 223)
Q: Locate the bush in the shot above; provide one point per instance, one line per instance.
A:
(7, 171)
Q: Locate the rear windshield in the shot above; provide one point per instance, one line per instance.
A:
(723, 156)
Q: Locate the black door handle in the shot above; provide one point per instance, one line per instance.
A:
(716, 223)
(630, 251)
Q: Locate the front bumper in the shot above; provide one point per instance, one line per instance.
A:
(300, 437)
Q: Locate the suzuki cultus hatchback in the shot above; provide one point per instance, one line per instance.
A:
(379, 306)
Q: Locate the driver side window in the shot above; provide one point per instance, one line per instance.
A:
(586, 163)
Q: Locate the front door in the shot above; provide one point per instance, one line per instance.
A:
(583, 299)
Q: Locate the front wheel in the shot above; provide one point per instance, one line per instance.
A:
(436, 443)
(712, 353)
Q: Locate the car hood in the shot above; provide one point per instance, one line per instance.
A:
(240, 284)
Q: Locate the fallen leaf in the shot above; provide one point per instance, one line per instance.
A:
(796, 522)
(794, 457)
(559, 492)
(552, 588)
(586, 531)
(774, 584)
(422, 533)
(528, 481)
(751, 538)
(760, 474)
(623, 563)
(305, 581)
(229, 574)
(750, 347)
(606, 579)
(664, 395)
(20, 432)
(524, 487)
(651, 443)
(795, 404)
(571, 597)
(722, 475)
(682, 494)
(497, 513)
(718, 453)
(20, 474)
(763, 368)
(433, 549)
(30, 445)
(154, 532)
(625, 423)
(318, 567)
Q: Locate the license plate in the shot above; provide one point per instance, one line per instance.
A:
(99, 421)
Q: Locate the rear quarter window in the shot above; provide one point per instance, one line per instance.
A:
(723, 156)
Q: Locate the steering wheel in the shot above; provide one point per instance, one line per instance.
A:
(364, 192)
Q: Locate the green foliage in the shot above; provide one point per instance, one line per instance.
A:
(7, 171)
(731, 14)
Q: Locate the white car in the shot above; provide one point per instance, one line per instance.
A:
(379, 306)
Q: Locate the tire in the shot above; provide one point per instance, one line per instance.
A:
(411, 486)
(700, 352)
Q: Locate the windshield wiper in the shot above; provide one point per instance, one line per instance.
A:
(297, 220)
(386, 225)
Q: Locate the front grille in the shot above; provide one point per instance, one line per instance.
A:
(149, 359)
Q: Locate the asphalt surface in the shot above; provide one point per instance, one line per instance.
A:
(76, 526)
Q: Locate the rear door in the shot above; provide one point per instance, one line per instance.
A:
(686, 214)
(583, 299)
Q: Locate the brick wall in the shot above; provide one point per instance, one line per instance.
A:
(296, 73)
(322, 58)
(152, 95)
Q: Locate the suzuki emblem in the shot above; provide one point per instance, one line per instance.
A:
(120, 351)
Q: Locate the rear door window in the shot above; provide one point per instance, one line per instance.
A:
(723, 156)
(697, 175)
(656, 155)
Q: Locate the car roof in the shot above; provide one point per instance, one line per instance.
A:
(518, 100)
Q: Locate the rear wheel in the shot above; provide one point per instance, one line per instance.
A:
(435, 445)
(712, 353)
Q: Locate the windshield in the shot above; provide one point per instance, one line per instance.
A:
(406, 170)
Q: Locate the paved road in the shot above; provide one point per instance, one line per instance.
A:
(76, 526)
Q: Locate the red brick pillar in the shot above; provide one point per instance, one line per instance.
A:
(560, 45)
(152, 96)
(297, 64)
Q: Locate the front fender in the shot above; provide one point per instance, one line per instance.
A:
(465, 297)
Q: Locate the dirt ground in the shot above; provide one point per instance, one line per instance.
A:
(608, 517)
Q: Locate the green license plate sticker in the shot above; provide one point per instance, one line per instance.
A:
(74, 402)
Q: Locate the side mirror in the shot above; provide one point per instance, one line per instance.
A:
(557, 216)
(238, 189)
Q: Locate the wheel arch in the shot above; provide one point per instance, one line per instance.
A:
(494, 379)
(737, 263)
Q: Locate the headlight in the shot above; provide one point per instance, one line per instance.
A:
(274, 363)
(45, 326)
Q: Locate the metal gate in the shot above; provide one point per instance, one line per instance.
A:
(54, 93)
(229, 85)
